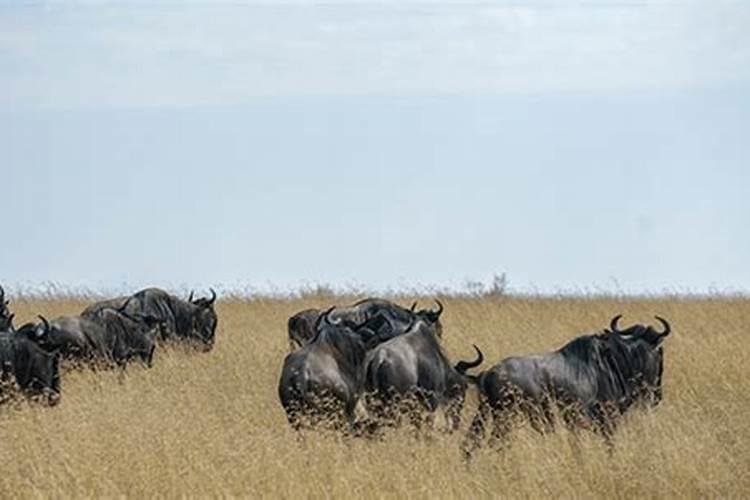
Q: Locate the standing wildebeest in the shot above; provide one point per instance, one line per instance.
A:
(319, 382)
(191, 320)
(385, 318)
(412, 369)
(590, 380)
(6, 318)
(35, 371)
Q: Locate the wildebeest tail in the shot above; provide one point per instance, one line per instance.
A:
(462, 366)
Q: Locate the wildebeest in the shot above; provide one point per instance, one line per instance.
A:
(590, 380)
(319, 382)
(6, 318)
(386, 318)
(193, 320)
(25, 363)
(413, 369)
(107, 336)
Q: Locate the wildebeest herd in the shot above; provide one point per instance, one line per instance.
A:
(388, 361)
(110, 333)
(359, 369)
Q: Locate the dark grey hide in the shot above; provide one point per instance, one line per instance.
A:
(319, 382)
(189, 320)
(385, 318)
(591, 380)
(24, 364)
(108, 337)
(410, 370)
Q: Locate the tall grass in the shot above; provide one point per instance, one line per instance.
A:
(206, 424)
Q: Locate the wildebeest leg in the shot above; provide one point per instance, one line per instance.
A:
(540, 415)
(604, 423)
(476, 430)
(453, 412)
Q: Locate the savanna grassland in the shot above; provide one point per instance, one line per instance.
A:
(210, 424)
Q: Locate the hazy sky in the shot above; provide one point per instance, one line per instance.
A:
(573, 145)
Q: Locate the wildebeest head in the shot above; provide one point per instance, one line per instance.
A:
(638, 353)
(204, 320)
(431, 316)
(301, 327)
(6, 318)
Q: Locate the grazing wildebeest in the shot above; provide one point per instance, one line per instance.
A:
(191, 320)
(108, 336)
(412, 369)
(6, 318)
(385, 318)
(319, 382)
(34, 370)
(591, 380)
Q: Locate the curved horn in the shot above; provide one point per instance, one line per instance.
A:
(666, 326)
(46, 324)
(212, 299)
(412, 322)
(413, 306)
(613, 323)
(190, 297)
(462, 366)
(124, 305)
(2, 294)
(322, 316)
(440, 308)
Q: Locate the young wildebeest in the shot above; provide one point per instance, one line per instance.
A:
(591, 380)
(386, 319)
(194, 321)
(6, 318)
(35, 371)
(412, 369)
(319, 382)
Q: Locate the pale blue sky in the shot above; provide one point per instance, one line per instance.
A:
(572, 145)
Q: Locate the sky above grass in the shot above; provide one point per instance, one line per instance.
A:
(572, 145)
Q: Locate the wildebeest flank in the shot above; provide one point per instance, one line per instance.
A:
(592, 379)
(412, 369)
(319, 382)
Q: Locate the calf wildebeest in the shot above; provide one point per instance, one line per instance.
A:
(319, 382)
(386, 319)
(591, 380)
(412, 369)
(193, 320)
(6, 318)
(23, 361)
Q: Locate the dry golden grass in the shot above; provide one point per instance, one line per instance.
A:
(210, 424)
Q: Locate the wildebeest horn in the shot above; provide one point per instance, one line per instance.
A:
(2, 295)
(212, 299)
(613, 323)
(46, 324)
(124, 305)
(462, 366)
(412, 322)
(323, 315)
(190, 297)
(666, 326)
(413, 306)
(440, 308)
